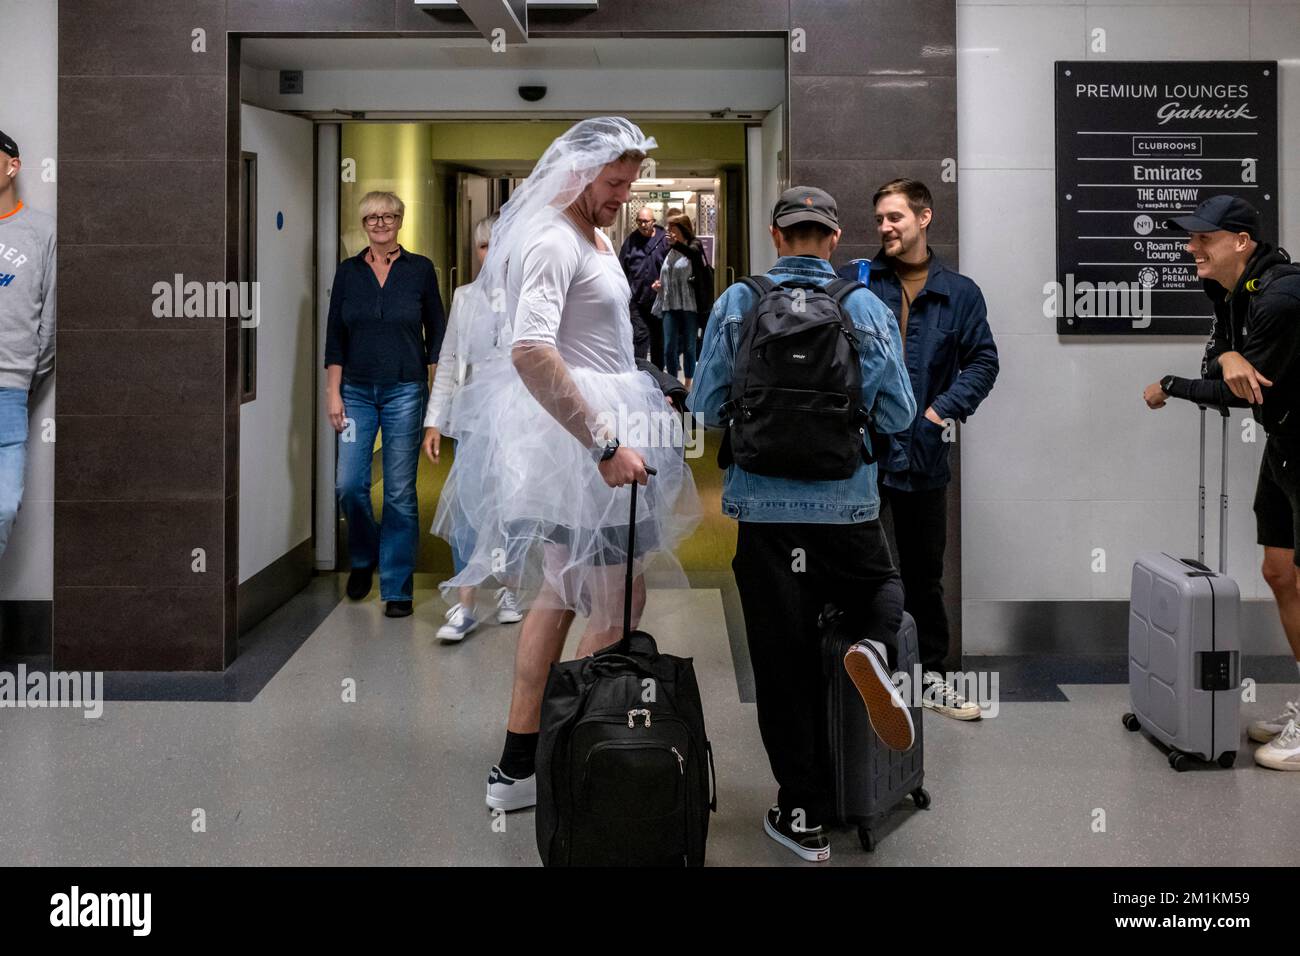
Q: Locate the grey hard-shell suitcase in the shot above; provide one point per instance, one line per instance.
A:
(1184, 647)
(869, 779)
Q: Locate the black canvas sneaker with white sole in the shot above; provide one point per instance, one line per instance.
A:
(890, 718)
(809, 843)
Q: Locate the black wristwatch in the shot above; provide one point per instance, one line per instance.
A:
(1166, 384)
(603, 451)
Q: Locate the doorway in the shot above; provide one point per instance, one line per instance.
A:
(709, 103)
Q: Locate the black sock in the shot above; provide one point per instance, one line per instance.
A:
(519, 758)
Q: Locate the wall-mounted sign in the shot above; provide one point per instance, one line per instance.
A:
(1137, 143)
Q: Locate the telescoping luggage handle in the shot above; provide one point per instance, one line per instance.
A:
(627, 582)
(1223, 496)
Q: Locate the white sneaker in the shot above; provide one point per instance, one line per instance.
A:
(459, 624)
(507, 609)
(506, 793)
(939, 695)
(1283, 751)
(1265, 730)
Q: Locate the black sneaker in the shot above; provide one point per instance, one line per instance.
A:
(398, 609)
(886, 709)
(809, 843)
(360, 582)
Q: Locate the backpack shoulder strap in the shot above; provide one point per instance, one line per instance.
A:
(1279, 271)
(761, 285)
(840, 289)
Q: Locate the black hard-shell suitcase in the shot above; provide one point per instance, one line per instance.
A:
(869, 779)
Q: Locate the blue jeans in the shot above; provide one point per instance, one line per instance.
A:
(679, 339)
(13, 457)
(397, 410)
(462, 538)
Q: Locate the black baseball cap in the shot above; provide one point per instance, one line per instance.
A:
(7, 145)
(806, 204)
(1222, 212)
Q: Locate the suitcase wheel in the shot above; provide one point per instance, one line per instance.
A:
(1179, 760)
(1227, 758)
(866, 837)
(1131, 722)
(921, 797)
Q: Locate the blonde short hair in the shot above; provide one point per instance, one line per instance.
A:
(381, 202)
(483, 229)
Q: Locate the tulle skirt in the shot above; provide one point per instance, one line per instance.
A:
(543, 521)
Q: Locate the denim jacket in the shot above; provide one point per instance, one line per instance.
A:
(951, 360)
(886, 392)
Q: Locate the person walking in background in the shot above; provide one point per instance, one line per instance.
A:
(26, 326)
(641, 257)
(382, 340)
(952, 362)
(453, 371)
(682, 291)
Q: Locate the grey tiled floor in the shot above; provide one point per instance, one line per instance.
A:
(298, 776)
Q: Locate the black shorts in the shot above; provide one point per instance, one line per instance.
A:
(1277, 497)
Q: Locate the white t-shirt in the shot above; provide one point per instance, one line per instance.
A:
(572, 296)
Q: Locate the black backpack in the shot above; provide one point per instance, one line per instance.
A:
(795, 407)
(624, 769)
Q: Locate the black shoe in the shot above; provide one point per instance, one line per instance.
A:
(810, 843)
(398, 609)
(359, 582)
(886, 708)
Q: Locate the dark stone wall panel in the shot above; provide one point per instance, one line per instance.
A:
(154, 628)
(140, 37)
(145, 544)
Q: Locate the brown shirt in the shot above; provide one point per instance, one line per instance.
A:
(912, 279)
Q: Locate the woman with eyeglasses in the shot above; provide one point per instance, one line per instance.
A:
(382, 339)
(452, 524)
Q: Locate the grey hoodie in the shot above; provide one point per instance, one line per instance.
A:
(26, 298)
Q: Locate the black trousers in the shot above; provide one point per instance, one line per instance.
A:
(786, 573)
(647, 334)
(917, 524)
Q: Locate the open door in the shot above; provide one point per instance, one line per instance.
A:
(765, 156)
(278, 361)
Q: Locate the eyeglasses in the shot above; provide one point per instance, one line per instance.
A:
(645, 222)
(387, 219)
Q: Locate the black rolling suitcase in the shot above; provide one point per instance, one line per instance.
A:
(868, 779)
(624, 769)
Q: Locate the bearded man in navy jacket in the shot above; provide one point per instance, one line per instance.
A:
(952, 362)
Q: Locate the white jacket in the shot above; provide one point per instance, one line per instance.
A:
(452, 370)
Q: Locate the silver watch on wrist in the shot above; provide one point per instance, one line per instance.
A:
(603, 450)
